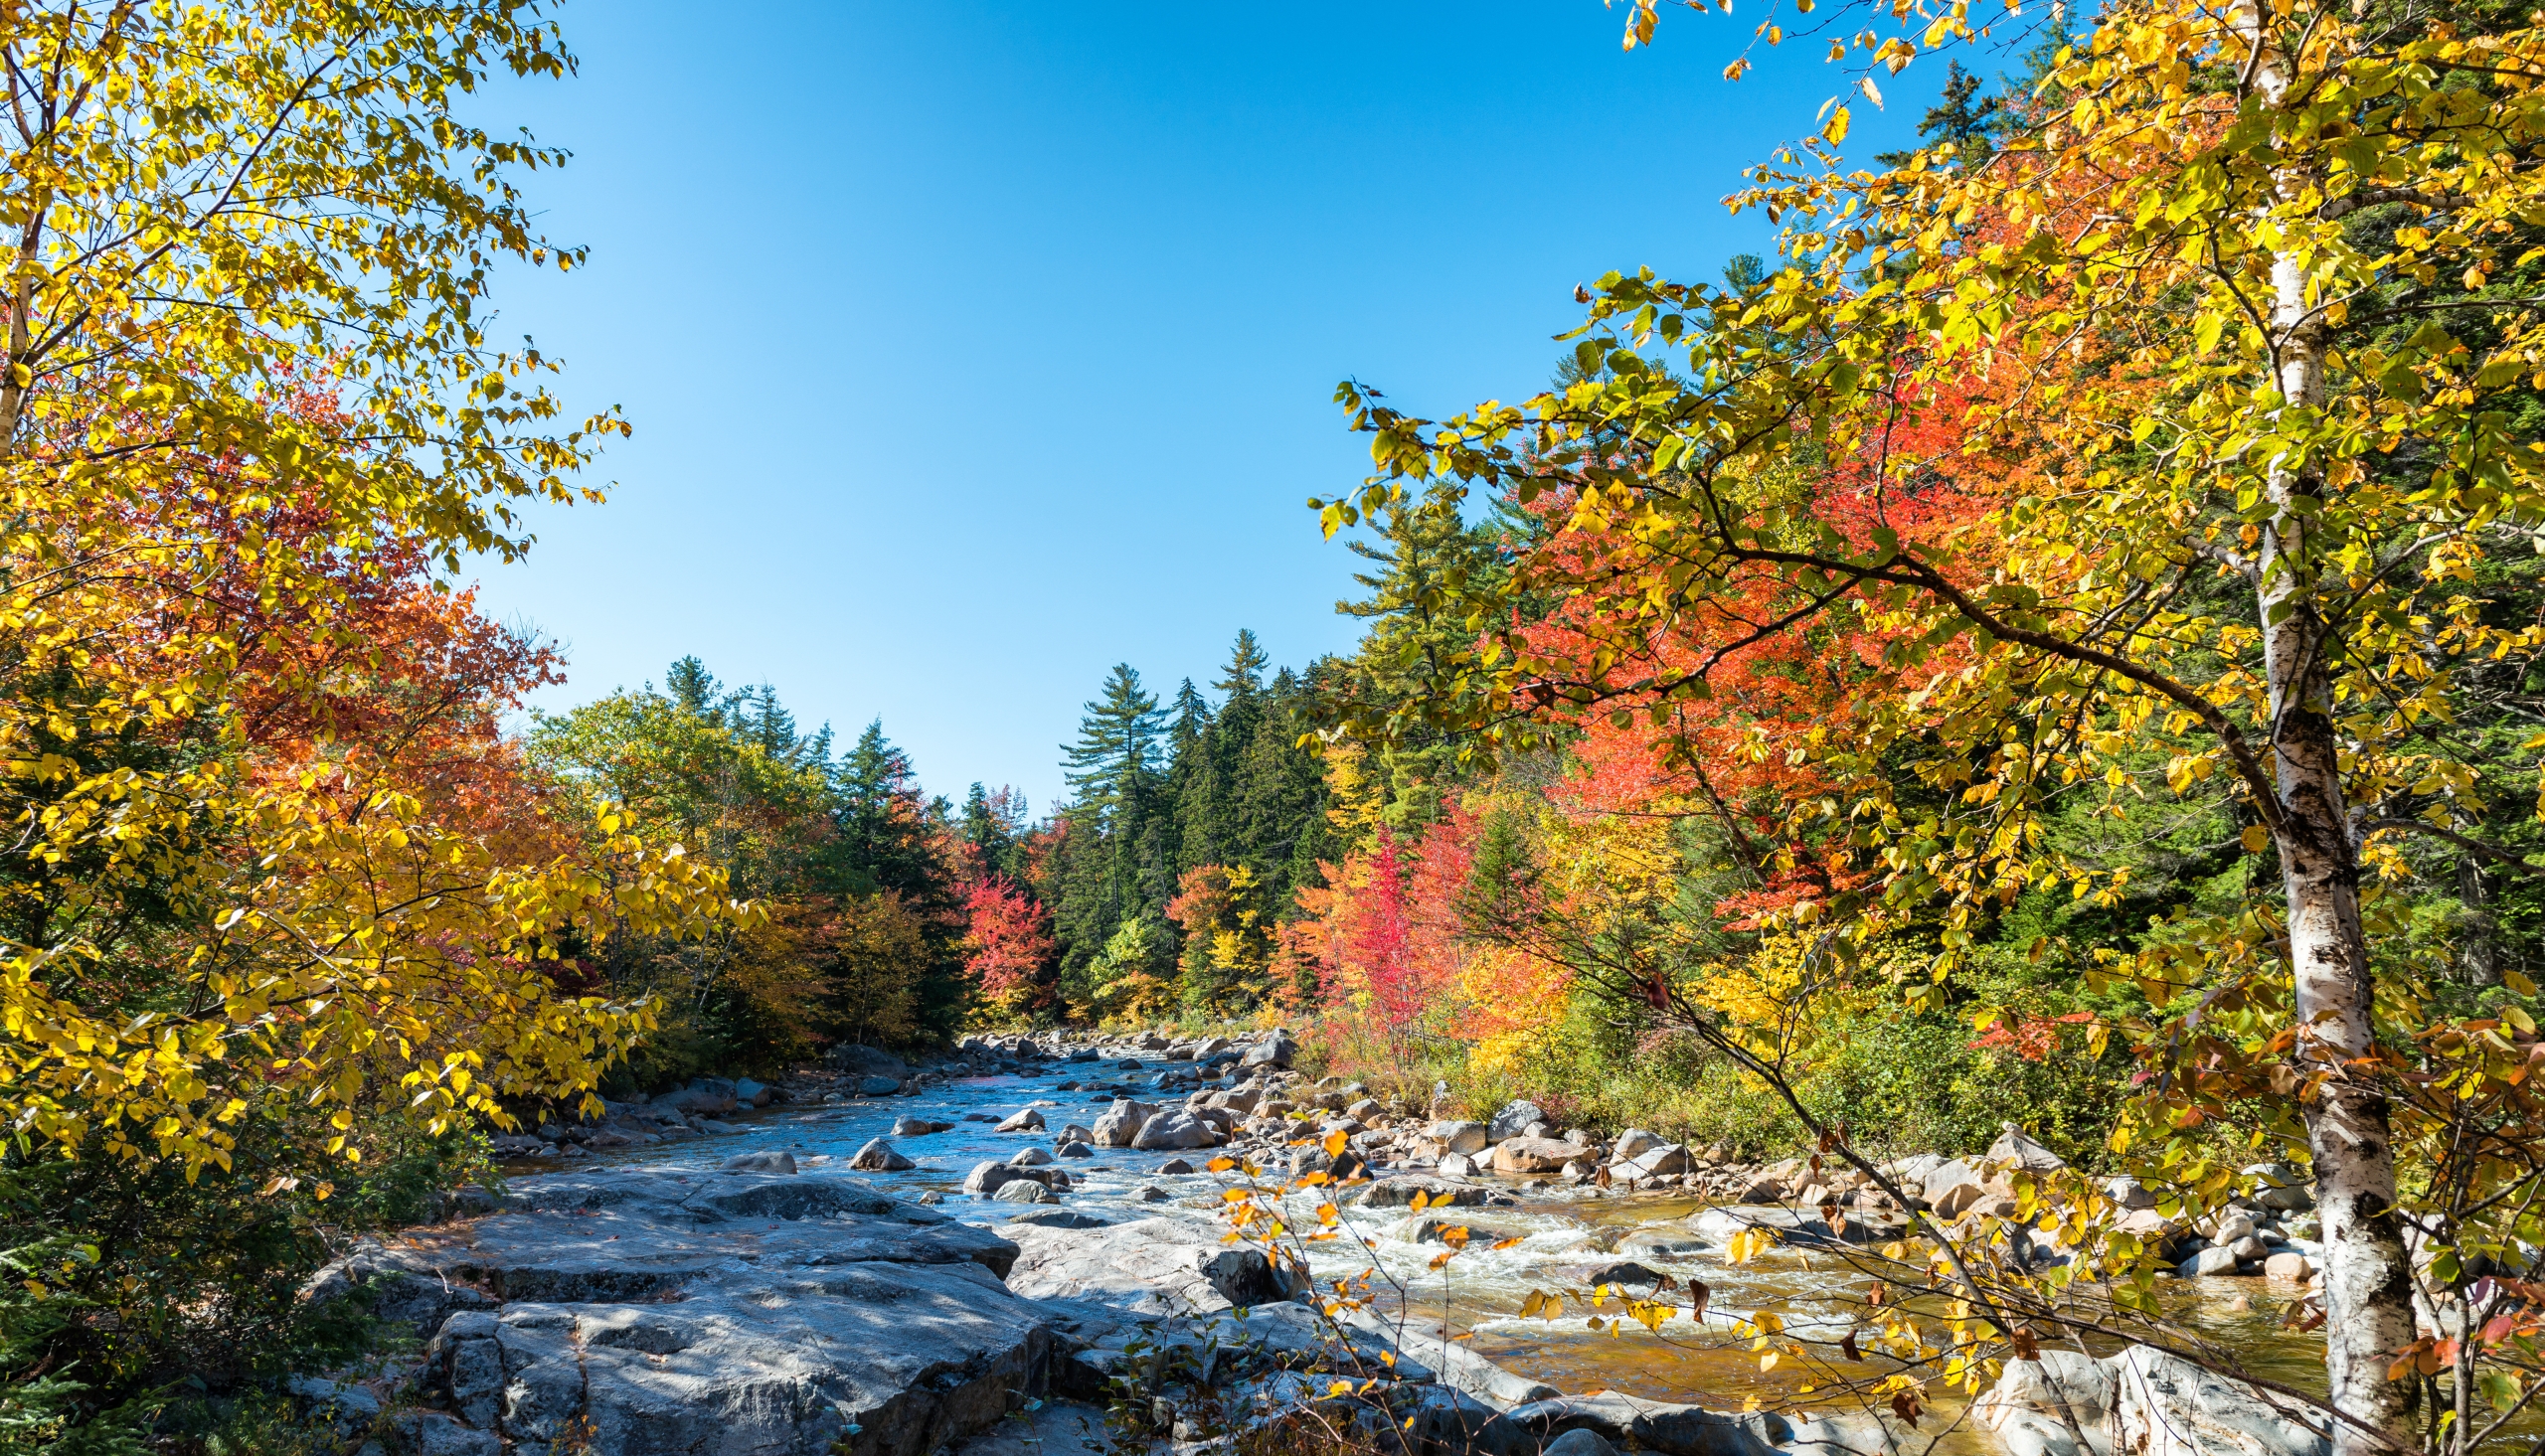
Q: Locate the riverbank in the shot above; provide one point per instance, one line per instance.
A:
(864, 1274)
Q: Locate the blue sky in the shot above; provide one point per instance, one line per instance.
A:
(973, 349)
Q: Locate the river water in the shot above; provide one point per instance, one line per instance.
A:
(1477, 1296)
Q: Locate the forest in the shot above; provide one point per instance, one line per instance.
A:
(2059, 643)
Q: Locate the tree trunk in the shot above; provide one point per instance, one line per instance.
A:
(2367, 1275)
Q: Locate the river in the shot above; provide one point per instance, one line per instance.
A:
(1480, 1293)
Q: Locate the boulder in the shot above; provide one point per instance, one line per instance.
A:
(1274, 1051)
(877, 1086)
(854, 1060)
(2165, 1405)
(777, 1161)
(1122, 1123)
(1662, 1160)
(1792, 1227)
(2129, 1193)
(1397, 1193)
(1760, 1190)
(916, 1127)
(878, 1157)
(1058, 1218)
(1460, 1137)
(1077, 1150)
(1457, 1165)
(2057, 1405)
(2016, 1149)
(1655, 1425)
(2211, 1261)
(755, 1093)
(1174, 1130)
(2288, 1264)
(1623, 1273)
(1513, 1119)
(1029, 1158)
(701, 1095)
(1074, 1133)
(1580, 1441)
(1633, 1143)
(987, 1177)
(1028, 1120)
(1531, 1155)
(1173, 1168)
(1023, 1190)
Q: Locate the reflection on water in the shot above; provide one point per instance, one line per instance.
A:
(1477, 1296)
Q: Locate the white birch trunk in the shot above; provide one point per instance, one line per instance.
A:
(2367, 1275)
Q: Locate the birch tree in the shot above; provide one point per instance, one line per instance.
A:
(2253, 309)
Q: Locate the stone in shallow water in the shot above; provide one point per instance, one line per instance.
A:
(916, 1127)
(1174, 1167)
(878, 1156)
(1024, 1191)
(767, 1162)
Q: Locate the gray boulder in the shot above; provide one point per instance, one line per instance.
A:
(916, 1127)
(1077, 1150)
(774, 1161)
(2211, 1261)
(2164, 1405)
(1397, 1193)
(701, 1095)
(877, 1086)
(1024, 1191)
(1513, 1119)
(1028, 1120)
(755, 1093)
(1275, 1051)
(1174, 1130)
(1029, 1158)
(1655, 1425)
(1122, 1122)
(1632, 1143)
(2057, 1405)
(1661, 1160)
(1580, 1441)
(852, 1060)
(1467, 1138)
(878, 1157)
(2014, 1148)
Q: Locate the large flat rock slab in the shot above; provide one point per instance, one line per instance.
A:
(657, 1314)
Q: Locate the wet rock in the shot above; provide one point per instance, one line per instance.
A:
(1430, 1228)
(1029, 1158)
(878, 1156)
(1024, 1191)
(1665, 1243)
(1122, 1123)
(1624, 1273)
(1028, 1120)
(918, 1127)
(1174, 1167)
(705, 1124)
(1172, 1263)
(877, 1086)
(1397, 1193)
(1677, 1430)
(1077, 1150)
(1059, 1218)
(1151, 1193)
(2289, 1264)
(1531, 1155)
(775, 1161)
(1466, 1138)
(1457, 1165)
(1074, 1133)
(1513, 1119)
(1794, 1227)
(1580, 1441)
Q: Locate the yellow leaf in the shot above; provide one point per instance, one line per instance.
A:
(1836, 131)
